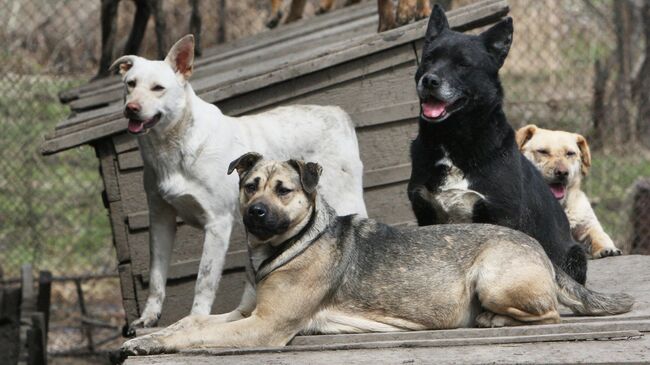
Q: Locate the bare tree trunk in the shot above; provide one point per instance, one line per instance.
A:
(139, 27)
(195, 25)
(599, 108)
(221, 29)
(641, 86)
(109, 26)
(626, 124)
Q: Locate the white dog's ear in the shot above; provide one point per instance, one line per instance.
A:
(309, 174)
(585, 154)
(181, 56)
(244, 163)
(524, 134)
(124, 63)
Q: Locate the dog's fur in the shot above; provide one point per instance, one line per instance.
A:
(407, 10)
(297, 8)
(564, 159)
(322, 273)
(186, 144)
(465, 150)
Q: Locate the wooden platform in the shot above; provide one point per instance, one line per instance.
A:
(594, 340)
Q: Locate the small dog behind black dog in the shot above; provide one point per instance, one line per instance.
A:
(466, 164)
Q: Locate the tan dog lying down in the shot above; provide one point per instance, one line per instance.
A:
(316, 272)
(564, 159)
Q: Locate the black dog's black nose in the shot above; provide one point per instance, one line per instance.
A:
(257, 210)
(431, 80)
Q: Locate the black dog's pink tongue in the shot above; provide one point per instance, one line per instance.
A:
(433, 110)
(557, 190)
(135, 126)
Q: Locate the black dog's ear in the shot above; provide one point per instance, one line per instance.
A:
(244, 163)
(498, 40)
(437, 23)
(309, 174)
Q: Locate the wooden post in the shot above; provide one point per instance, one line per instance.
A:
(43, 298)
(36, 342)
(88, 331)
(641, 217)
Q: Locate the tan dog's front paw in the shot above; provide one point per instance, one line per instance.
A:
(605, 252)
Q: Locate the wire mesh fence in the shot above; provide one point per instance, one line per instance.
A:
(576, 65)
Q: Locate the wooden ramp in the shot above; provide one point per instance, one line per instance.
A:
(593, 340)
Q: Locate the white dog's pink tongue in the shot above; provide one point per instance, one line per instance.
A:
(433, 110)
(135, 126)
(557, 190)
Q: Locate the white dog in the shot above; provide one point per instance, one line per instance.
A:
(187, 144)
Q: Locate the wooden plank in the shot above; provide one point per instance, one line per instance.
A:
(246, 61)
(275, 37)
(189, 269)
(633, 351)
(180, 293)
(125, 142)
(387, 176)
(134, 198)
(489, 11)
(389, 204)
(425, 343)
(381, 80)
(126, 281)
(130, 160)
(106, 156)
(466, 333)
(119, 232)
(386, 145)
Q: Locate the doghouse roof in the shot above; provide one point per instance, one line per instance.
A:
(256, 62)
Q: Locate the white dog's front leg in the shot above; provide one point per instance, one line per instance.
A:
(215, 246)
(162, 218)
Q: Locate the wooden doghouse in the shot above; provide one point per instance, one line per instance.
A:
(333, 59)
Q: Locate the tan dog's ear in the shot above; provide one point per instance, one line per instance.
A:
(124, 63)
(181, 56)
(585, 154)
(309, 174)
(524, 134)
(244, 163)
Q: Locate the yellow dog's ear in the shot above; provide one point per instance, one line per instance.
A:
(585, 154)
(524, 134)
(124, 63)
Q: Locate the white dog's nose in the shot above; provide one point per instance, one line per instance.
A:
(133, 107)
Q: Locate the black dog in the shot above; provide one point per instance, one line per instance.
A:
(465, 153)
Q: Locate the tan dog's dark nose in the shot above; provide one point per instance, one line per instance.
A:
(561, 171)
(133, 108)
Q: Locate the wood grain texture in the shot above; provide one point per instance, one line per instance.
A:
(180, 293)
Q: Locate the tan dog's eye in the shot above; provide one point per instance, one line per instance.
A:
(570, 153)
(157, 88)
(130, 83)
(542, 152)
(250, 188)
(283, 191)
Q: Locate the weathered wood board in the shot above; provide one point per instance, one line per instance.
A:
(594, 340)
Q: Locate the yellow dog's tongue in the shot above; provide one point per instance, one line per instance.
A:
(558, 190)
(135, 126)
(433, 110)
